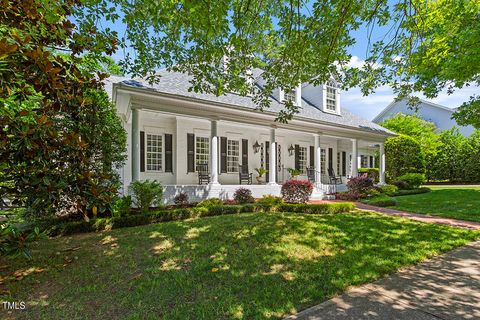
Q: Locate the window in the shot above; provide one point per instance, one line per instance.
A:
(302, 159)
(331, 96)
(202, 150)
(363, 161)
(323, 160)
(154, 152)
(233, 155)
(290, 95)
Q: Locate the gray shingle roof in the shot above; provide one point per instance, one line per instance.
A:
(178, 84)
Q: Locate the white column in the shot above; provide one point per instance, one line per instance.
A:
(318, 160)
(214, 152)
(354, 158)
(135, 145)
(382, 164)
(272, 170)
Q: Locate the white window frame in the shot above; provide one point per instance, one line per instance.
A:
(323, 160)
(207, 153)
(331, 97)
(303, 159)
(161, 136)
(233, 156)
(297, 95)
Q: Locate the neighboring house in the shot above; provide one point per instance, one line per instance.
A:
(441, 116)
(175, 135)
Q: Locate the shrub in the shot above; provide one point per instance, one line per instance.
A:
(14, 242)
(122, 206)
(401, 185)
(410, 192)
(210, 202)
(322, 208)
(373, 173)
(359, 186)
(381, 201)
(269, 200)
(414, 180)
(146, 194)
(388, 189)
(297, 191)
(181, 199)
(243, 195)
(346, 196)
(403, 154)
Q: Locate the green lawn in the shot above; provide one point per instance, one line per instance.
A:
(459, 202)
(251, 266)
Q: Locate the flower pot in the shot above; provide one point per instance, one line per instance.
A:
(260, 180)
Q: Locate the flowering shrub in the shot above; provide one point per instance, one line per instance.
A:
(359, 186)
(181, 199)
(297, 191)
(243, 195)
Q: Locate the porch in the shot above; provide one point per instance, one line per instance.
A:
(168, 144)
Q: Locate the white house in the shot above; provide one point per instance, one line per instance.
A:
(173, 134)
(441, 116)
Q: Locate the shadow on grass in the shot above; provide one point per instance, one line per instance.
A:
(241, 266)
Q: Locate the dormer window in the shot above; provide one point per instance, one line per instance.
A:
(290, 95)
(294, 95)
(331, 101)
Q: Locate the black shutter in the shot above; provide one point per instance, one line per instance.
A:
(142, 151)
(267, 159)
(312, 156)
(344, 163)
(245, 152)
(371, 162)
(330, 158)
(190, 152)
(297, 157)
(223, 154)
(168, 153)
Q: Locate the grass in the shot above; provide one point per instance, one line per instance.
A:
(459, 202)
(245, 266)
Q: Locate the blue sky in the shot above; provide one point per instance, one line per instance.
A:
(353, 100)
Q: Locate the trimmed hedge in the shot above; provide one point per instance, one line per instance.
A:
(381, 201)
(54, 227)
(322, 208)
(407, 192)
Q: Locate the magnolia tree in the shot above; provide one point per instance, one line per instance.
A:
(60, 138)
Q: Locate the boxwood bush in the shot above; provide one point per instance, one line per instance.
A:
(381, 201)
(413, 180)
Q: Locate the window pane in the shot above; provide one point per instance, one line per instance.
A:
(302, 157)
(331, 97)
(233, 155)
(154, 152)
(323, 160)
(202, 150)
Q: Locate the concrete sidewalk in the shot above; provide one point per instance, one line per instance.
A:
(445, 287)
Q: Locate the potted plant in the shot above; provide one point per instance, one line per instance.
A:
(261, 172)
(294, 173)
